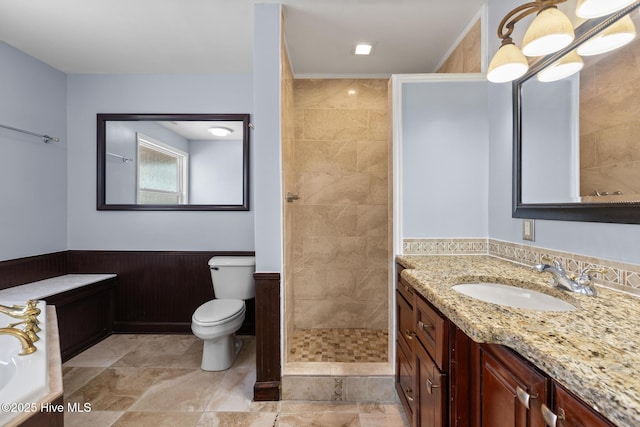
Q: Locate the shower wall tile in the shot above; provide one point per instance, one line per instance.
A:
(325, 156)
(320, 124)
(324, 283)
(371, 284)
(326, 220)
(340, 169)
(335, 189)
(332, 252)
(372, 156)
(371, 221)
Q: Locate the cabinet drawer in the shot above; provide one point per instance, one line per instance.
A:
(432, 391)
(405, 381)
(405, 321)
(573, 412)
(405, 289)
(431, 330)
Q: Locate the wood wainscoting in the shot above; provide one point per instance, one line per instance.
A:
(157, 291)
(268, 367)
(31, 269)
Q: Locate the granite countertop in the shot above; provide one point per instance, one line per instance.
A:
(594, 351)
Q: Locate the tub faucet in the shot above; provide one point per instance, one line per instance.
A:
(582, 284)
(25, 341)
(28, 316)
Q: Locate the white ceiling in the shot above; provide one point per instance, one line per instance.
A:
(215, 36)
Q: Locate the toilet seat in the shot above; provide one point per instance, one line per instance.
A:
(218, 311)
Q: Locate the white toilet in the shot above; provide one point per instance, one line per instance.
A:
(217, 321)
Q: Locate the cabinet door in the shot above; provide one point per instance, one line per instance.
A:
(432, 410)
(511, 391)
(405, 384)
(406, 325)
(570, 411)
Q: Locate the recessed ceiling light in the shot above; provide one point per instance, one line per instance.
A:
(363, 49)
(219, 131)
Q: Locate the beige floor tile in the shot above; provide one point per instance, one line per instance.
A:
(115, 389)
(93, 418)
(333, 419)
(184, 391)
(237, 419)
(73, 378)
(296, 406)
(235, 392)
(383, 420)
(247, 356)
(165, 351)
(158, 419)
(107, 351)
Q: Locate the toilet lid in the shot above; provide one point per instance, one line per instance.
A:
(219, 311)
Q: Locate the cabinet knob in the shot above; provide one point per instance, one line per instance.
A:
(524, 397)
(431, 386)
(409, 394)
(424, 326)
(549, 417)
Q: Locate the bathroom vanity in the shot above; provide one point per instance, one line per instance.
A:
(464, 362)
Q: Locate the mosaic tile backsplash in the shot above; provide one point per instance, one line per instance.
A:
(617, 275)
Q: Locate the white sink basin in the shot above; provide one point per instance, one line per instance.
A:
(512, 296)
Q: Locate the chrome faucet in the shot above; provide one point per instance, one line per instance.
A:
(582, 284)
(25, 341)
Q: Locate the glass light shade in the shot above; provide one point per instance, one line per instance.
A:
(565, 67)
(614, 36)
(548, 33)
(219, 131)
(507, 64)
(595, 8)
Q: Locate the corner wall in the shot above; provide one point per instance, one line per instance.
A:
(33, 214)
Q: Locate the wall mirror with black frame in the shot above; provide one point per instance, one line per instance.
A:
(577, 138)
(173, 162)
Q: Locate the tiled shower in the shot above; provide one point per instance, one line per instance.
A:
(336, 140)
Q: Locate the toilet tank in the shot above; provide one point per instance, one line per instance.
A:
(232, 276)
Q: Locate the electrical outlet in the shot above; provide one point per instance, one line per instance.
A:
(528, 229)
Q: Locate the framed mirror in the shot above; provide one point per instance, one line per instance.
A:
(173, 162)
(576, 152)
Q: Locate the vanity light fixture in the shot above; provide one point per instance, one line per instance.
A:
(565, 67)
(220, 131)
(595, 8)
(363, 49)
(614, 36)
(549, 32)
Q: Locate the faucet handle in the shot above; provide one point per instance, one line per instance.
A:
(556, 263)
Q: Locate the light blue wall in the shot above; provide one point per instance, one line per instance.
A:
(215, 169)
(33, 175)
(268, 192)
(89, 95)
(444, 158)
(610, 241)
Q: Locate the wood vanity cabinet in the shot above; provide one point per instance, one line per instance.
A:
(421, 358)
(444, 378)
(509, 391)
(571, 411)
(405, 349)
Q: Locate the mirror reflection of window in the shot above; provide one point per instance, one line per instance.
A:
(162, 173)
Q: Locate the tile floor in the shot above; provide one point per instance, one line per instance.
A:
(348, 345)
(155, 380)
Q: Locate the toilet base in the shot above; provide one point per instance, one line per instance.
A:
(219, 354)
